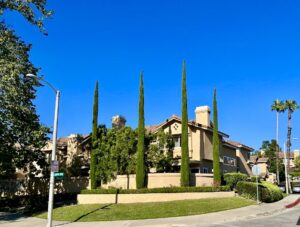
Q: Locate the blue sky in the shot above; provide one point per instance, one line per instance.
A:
(248, 50)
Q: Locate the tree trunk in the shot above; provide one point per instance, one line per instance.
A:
(277, 148)
(289, 139)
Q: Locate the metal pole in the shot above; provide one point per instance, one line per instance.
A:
(285, 171)
(53, 158)
(257, 187)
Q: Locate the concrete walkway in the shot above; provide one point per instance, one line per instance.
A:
(254, 211)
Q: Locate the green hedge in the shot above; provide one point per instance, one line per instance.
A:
(232, 179)
(156, 190)
(267, 192)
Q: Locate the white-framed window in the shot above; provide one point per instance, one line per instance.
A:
(177, 141)
(229, 161)
(204, 170)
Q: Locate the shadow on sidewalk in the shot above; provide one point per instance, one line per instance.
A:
(84, 215)
(10, 216)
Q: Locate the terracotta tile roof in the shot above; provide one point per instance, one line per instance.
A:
(237, 144)
(281, 155)
(262, 160)
(62, 141)
(155, 128)
(253, 158)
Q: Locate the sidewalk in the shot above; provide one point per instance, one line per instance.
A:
(254, 211)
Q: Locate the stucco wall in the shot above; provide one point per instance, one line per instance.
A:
(148, 197)
(160, 180)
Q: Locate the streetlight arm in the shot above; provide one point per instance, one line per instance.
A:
(42, 79)
(50, 85)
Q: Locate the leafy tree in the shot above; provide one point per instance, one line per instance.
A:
(33, 11)
(297, 162)
(160, 153)
(277, 106)
(216, 144)
(185, 168)
(124, 150)
(140, 165)
(94, 139)
(104, 170)
(269, 149)
(290, 106)
(74, 169)
(22, 136)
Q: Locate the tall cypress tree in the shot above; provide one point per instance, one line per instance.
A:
(216, 144)
(185, 168)
(140, 168)
(94, 140)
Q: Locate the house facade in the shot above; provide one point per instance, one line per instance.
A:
(234, 156)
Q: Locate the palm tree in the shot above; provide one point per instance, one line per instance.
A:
(279, 107)
(290, 106)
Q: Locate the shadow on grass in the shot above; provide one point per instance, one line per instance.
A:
(105, 207)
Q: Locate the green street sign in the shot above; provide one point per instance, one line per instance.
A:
(58, 175)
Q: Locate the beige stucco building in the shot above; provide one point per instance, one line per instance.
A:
(233, 155)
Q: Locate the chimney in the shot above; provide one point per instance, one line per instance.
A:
(203, 115)
(118, 122)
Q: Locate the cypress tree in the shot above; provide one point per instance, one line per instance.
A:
(185, 168)
(140, 168)
(216, 144)
(94, 139)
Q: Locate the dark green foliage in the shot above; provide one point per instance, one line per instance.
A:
(185, 165)
(253, 179)
(270, 148)
(140, 165)
(104, 170)
(232, 179)
(123, 150)
(21, 135)
(33, 11)
(94, 139)
(216, 144)
(160, 153)
(157, 190)
(267, 192)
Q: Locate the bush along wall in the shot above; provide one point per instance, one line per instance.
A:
(156, 190)
(267, 192)
(232, 179)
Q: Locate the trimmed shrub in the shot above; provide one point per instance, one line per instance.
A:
(267, 192)
(156, 190)
(274, 190)
(253, 179)
(232, 179)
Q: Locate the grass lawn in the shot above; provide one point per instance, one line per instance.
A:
(110, 212)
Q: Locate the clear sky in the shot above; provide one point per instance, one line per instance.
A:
(248, 50)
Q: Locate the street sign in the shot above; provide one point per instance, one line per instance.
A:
(256, 170)
(54, 166)
(59, 175)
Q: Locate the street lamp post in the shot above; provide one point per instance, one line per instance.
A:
(53, 158)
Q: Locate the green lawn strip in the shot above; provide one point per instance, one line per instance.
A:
(110, 212)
